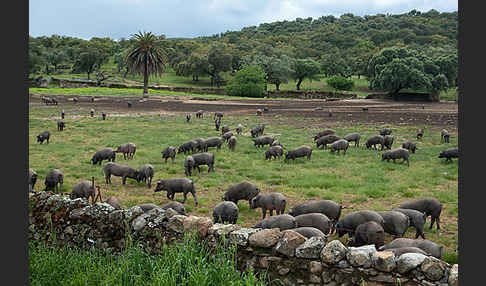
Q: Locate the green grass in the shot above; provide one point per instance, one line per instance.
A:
(187, 263)
(359, 179)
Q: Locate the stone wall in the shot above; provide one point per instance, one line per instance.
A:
(406, 96)
(310, 94)
(288, 257)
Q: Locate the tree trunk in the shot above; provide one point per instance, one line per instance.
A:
(88, 74)
(145, 77)
(298, 83)
(358, 76)
(277, 86)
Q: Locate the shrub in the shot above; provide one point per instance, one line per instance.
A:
(248, 82)
(340, 83)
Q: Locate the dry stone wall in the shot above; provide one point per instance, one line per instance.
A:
(288, 257)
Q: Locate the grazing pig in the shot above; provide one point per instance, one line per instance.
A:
(375, 140)
(227, 135)
(225, 212)
(407, 249)
(395, 223)
(353, 137)
(114, 202)
(265, 109)
(262, 141)
(169, 152)
(44, 136)
(385, 131)
(32, 179)
(54, 179)
(147, 207)
(177, 185)
(217, 123)
(186, 147)
(123, 171)
(420, 133)
(388, 141)
(75, 99)
(339, 145)
(309, 231)
(232, 143)
(283, 222)
(270, 202)
(368, 233)
(91, 112)
(199, 114)
(257, 130)
(298, 152)
(60, 125)
(409, 146)
(324, 140)
(274, 151)
(62, 114)
(103, 154)
(199, 145)
(429, 206)
(395, 154)
(239, 129)
(426, 245)
(259, 112)
(188, 165)
(324, 133)
(129, 104)
(178, 207)
(83, 189)
(127, 149)
(350, 222)
(103, 115)
(329, 208)
(224, 129)
(188, 118)
(416, 218)
(444, 136)
(146, 173)
(213, 142)
(203, 159)
(317, 220)
(449, 154)
(242, 191)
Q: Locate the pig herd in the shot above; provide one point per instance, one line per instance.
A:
(315, 218)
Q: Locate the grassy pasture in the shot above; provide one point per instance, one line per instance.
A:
(358, 180)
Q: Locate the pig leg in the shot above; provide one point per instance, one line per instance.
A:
(195, 198)
(264, 212)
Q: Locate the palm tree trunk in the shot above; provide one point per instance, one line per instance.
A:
(145, 78)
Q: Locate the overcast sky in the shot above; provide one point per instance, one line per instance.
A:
(193, 18)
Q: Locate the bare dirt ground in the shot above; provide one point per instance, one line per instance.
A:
(437, 114)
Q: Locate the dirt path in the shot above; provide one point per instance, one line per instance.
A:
(349, 111)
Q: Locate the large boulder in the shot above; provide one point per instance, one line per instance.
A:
(241, 236)
(361, 256)
(454, 275)
(176, 223)
(311, 248)
(384, 261)
(265, 238)
(289, 242)
(433, 268)
(333, 252)
(219, 229)
(409, 261)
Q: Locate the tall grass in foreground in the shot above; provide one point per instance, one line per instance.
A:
(187, 263)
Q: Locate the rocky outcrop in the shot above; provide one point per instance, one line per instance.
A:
(284, 255)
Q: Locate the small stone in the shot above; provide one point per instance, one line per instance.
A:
(265, 238)
(289, 242)
(433, 268)
(68, 230)
(220, 229)
(333, 252)
(139, 223)
(311, 248)
(409, 261)
(203, 226)
(326, 277)
(384, 261)
(361, 256)
(315, 267)
(190, 223)
(454, 275)
(176, 223)
(283, 271)
(240, 237)
(314, 278)
(383, 278)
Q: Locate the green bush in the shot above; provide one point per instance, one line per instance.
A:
(340, 83)
(248, 82)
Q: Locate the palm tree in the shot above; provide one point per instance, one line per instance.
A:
(146, 57)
